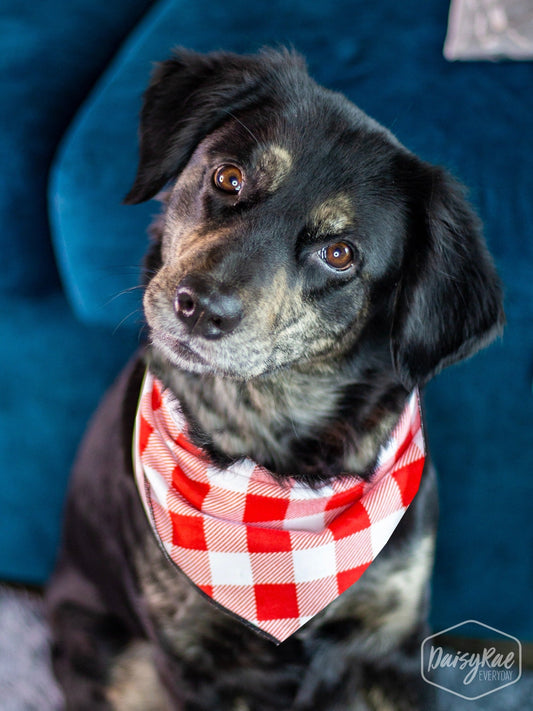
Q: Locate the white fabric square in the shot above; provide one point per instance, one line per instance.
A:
(314, 523)
(314, 563)
(159, 485)
(300, 491)
(230, 568)
(354, 550)
(418, 439)
(382, 530)
(234, 478)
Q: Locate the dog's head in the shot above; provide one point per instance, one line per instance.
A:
(297, 230)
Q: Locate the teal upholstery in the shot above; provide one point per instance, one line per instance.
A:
(53, 367)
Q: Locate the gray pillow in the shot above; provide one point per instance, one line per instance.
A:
(490, 29)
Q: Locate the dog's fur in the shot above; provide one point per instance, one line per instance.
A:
(308, 379)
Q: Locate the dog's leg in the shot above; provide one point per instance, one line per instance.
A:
(86, 638)
(391, 684)
(99, 663)
(92, 598)
(134, 683)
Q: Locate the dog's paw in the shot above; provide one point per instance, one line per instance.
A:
(135, 684)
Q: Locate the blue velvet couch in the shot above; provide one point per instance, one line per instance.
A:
(70, 312)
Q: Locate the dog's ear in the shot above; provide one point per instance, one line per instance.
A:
(190, 95)
(449, 298)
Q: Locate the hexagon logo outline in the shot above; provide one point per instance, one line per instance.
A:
(461, 624)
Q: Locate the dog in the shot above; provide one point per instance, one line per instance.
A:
(306, 276)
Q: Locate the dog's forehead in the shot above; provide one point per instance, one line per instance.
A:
(301, 130)
(323, 159)
(333, 214)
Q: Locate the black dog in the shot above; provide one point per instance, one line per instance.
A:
(306, 274)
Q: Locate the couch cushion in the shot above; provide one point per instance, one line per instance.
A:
(52, 375)
(52, 53)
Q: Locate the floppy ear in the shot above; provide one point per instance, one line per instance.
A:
(190, 95)
(449, 298)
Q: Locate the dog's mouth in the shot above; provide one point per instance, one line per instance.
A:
(189, 356)
(235, 363)
(179, 352)
(252, 348)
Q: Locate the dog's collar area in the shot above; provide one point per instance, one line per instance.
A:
(272, 554)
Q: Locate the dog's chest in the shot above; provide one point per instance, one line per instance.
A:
(208, 646)
(370, 618)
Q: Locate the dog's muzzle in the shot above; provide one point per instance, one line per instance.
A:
(206, 309)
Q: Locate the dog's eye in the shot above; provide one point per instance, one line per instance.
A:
(228, 178)
(338, 256)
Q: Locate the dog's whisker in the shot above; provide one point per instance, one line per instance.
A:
(126, 318)
(142, 330)
(124, 268)
(124, 292)
(244, 126)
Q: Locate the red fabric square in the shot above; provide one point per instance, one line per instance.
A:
(276, 601)
(188, 531)
(156, 397)
(347, 578)
(145, 430)
(192, 490)
(408, 480)
(264, 508)
(267, 540)
(350, 521)
(189, 446)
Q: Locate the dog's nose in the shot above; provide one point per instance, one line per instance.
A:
(205, 309)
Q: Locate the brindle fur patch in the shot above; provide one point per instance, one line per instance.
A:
(333, 215)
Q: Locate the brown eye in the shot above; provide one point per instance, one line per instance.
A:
(338, 256)
(228, 178)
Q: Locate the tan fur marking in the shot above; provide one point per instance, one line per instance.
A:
(409, 584)
(135, 685)
(333, 215)
(276, 162)
(378, 701)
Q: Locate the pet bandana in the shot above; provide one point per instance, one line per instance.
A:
(273, 555)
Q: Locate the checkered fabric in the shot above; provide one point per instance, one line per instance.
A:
(272, 555)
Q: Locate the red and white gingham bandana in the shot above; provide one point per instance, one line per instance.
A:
(272, 555)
